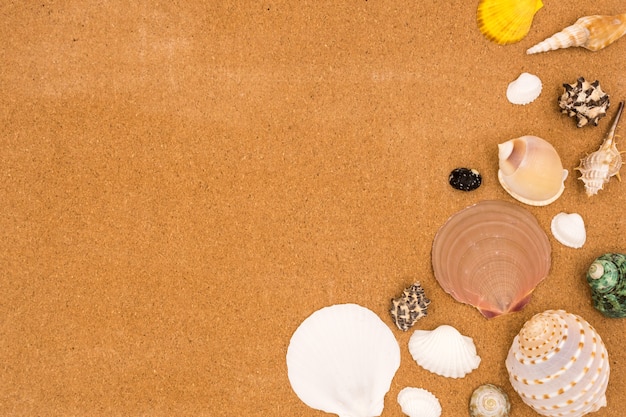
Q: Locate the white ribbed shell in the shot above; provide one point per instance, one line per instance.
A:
(418, 402)
(559, 365)
(444, 351)
(341, 360)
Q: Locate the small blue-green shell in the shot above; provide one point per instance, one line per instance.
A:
(607, 278)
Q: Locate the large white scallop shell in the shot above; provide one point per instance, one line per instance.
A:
(569, 229)
(418, 402)
(524, 90)
(559, 365)
(341, 360)
(444, 351)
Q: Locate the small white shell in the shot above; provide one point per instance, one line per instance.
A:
(418, 402)
(569, 229)
(341, 360)
(524, 90)
(444, 351)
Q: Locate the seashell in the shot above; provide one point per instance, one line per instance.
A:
(444, 351)
(531, 170)
(489, 400)
(341, 360)
(418, 402)
(411, 306)
(506, 21)
(569, 229)
(491, 255)
(590, 32)
(465, 179)
(607, 278)
(584, 100)
(597, 168)
(559, 365)
(524, 90)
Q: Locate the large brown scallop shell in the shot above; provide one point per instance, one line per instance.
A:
(491, 255)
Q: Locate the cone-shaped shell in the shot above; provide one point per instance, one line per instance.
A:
(491, 255)
(559, 365)
(506, 21)
(418, 402)
(341, 360)
(589, 32)
(531, 170)
(444, 351)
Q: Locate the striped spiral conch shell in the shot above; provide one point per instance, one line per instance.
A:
(559, 365)
(589, 32)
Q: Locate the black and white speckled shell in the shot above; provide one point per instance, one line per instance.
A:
(585, 101)
(465, 179)
(408, 308)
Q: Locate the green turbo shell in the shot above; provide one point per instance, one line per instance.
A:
(607, 278)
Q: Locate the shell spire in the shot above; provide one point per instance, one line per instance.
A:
(598, 167)
(590, 32)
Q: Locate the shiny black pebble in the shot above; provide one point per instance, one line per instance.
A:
(465, 179)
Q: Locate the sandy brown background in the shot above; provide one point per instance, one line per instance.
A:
(183, 183)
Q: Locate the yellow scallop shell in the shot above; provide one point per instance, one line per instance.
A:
(506, 21)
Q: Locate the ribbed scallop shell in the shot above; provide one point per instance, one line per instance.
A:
(489, 400)
(607, 278)
(418, 402)
(491, 255)
(444, 351)
(569, 229)
(597, 168)
(341, 360)
(531, 170)
(559, 365)
(506, 21)
(524, 90)
(589, 32)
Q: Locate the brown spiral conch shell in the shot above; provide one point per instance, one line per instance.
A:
(597, 168)
(491, 255)
(530, 170)
(590, 32)
(559, 365)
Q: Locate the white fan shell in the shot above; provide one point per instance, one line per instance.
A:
(418, 402)
(444, 351)
(341, 360)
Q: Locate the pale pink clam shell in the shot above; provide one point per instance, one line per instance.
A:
(491, 255)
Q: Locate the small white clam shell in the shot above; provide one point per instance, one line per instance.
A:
(444, 351)
(569, 229)
(524, 90)
(418, 402)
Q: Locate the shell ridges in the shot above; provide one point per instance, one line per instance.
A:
(444, 351)
(418, 402)
(506, 21)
